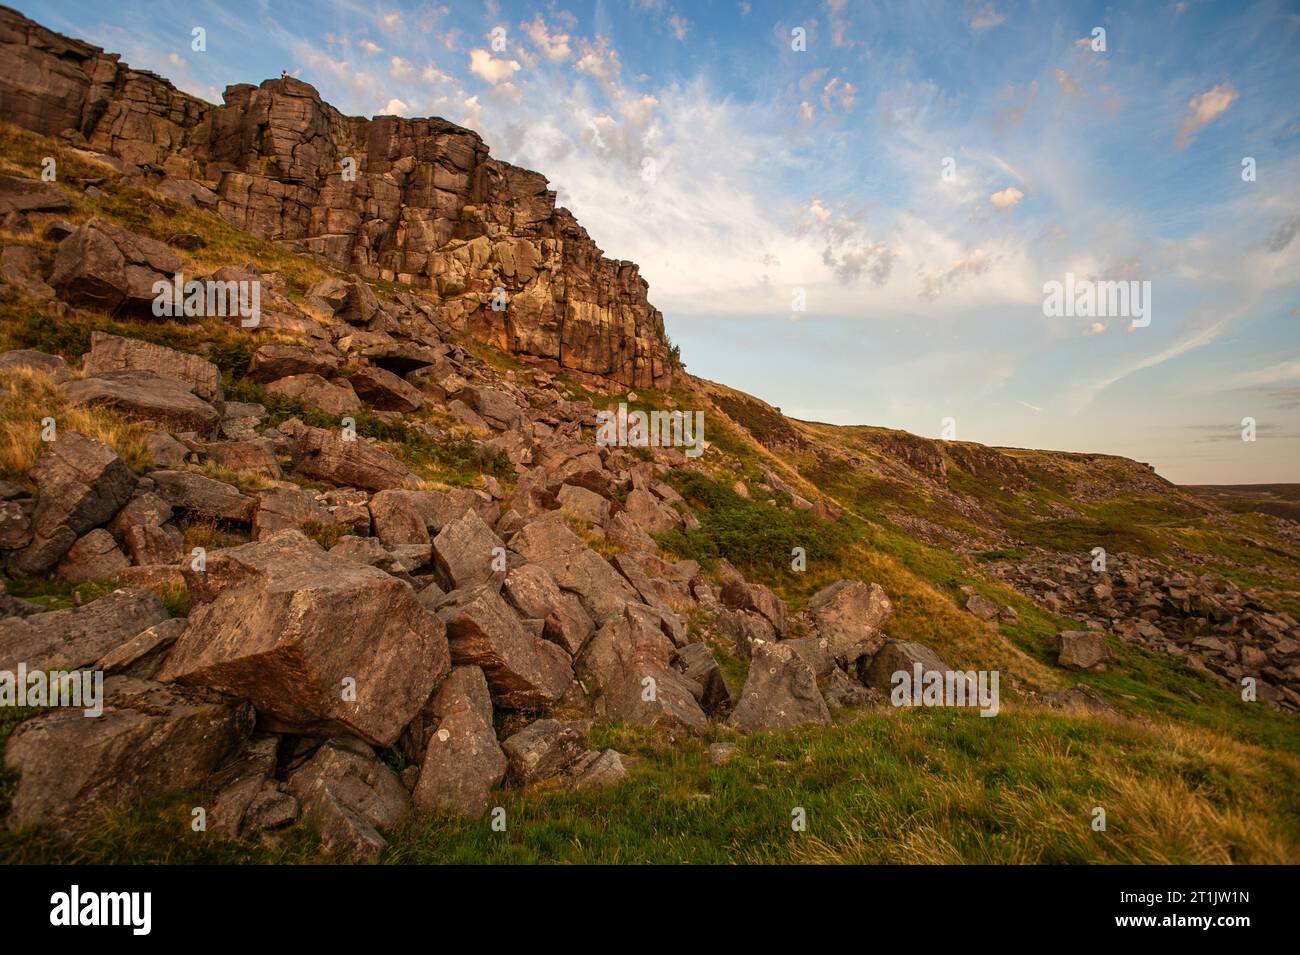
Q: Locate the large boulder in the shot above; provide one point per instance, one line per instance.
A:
(145, 396)
(848, 614)
(533, 592)
(80, 484)
(522, 670)
(649, 513)
(21, 194)
(78, 636)
(327, 456)
(280, 508)
(384, 391)
(456, 746)
(756, 598)
(331, 397)
(52, 366)
(466, 551)
(780, 692)
(544, 749)
(320, 644)
(204, 497)
(574, 566)
(1083, 650)
(348, 795)
(112, 353)
(94, 556)
(898, 656)
(101, 265)
(276, 360)
(150, 739)
(627, 664)
(397, 519)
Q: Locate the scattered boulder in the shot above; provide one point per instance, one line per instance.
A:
(780, 692)
(575, 567)
(145, 396)
(758, 599)
(1083, 650)
(848, 614)
(466, 551)
(533, 592)
(348, 795)
(898, 656)
(78, 636)
(522, 670)
(981, 607)
(456, 746)
(696, 663)
(80, 484)
(150, 739)
(331, 397)
(545, 748)
(203, 497)
(112, 353)
(293, 629)
(103, 266)
(95, 556)
(384, 391)
(326, 456)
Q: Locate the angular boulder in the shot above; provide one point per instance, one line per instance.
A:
(80, 484)
(319, 644)
(325, 455)
(150, 739)
(848, 614)
(456, 746)
(1083, 650)
(522, 670)
(78, 636)
(113, 353)
(348, 795)
(780, 692)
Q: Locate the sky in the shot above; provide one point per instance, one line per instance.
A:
(914, 175)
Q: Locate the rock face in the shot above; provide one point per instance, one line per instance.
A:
(427, 205)
(291, 628)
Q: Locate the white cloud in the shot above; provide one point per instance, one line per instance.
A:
(370, 47)
(394, 107)
(483, 64)
(985, 18)
(553, 44)
(1008, 198)
(399, 70)
(1203, 109)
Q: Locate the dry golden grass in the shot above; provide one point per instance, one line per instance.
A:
(28, 397)
(1172, 794)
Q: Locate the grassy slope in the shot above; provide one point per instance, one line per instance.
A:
(1188, 773)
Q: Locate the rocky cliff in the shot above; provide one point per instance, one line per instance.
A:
(417, 201)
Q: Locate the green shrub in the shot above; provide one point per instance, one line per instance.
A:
(747, 533)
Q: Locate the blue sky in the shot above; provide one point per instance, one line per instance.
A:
(692, 138)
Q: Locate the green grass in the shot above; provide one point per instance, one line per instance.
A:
(881, 787)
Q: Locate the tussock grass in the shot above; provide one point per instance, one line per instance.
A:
(28, 397)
